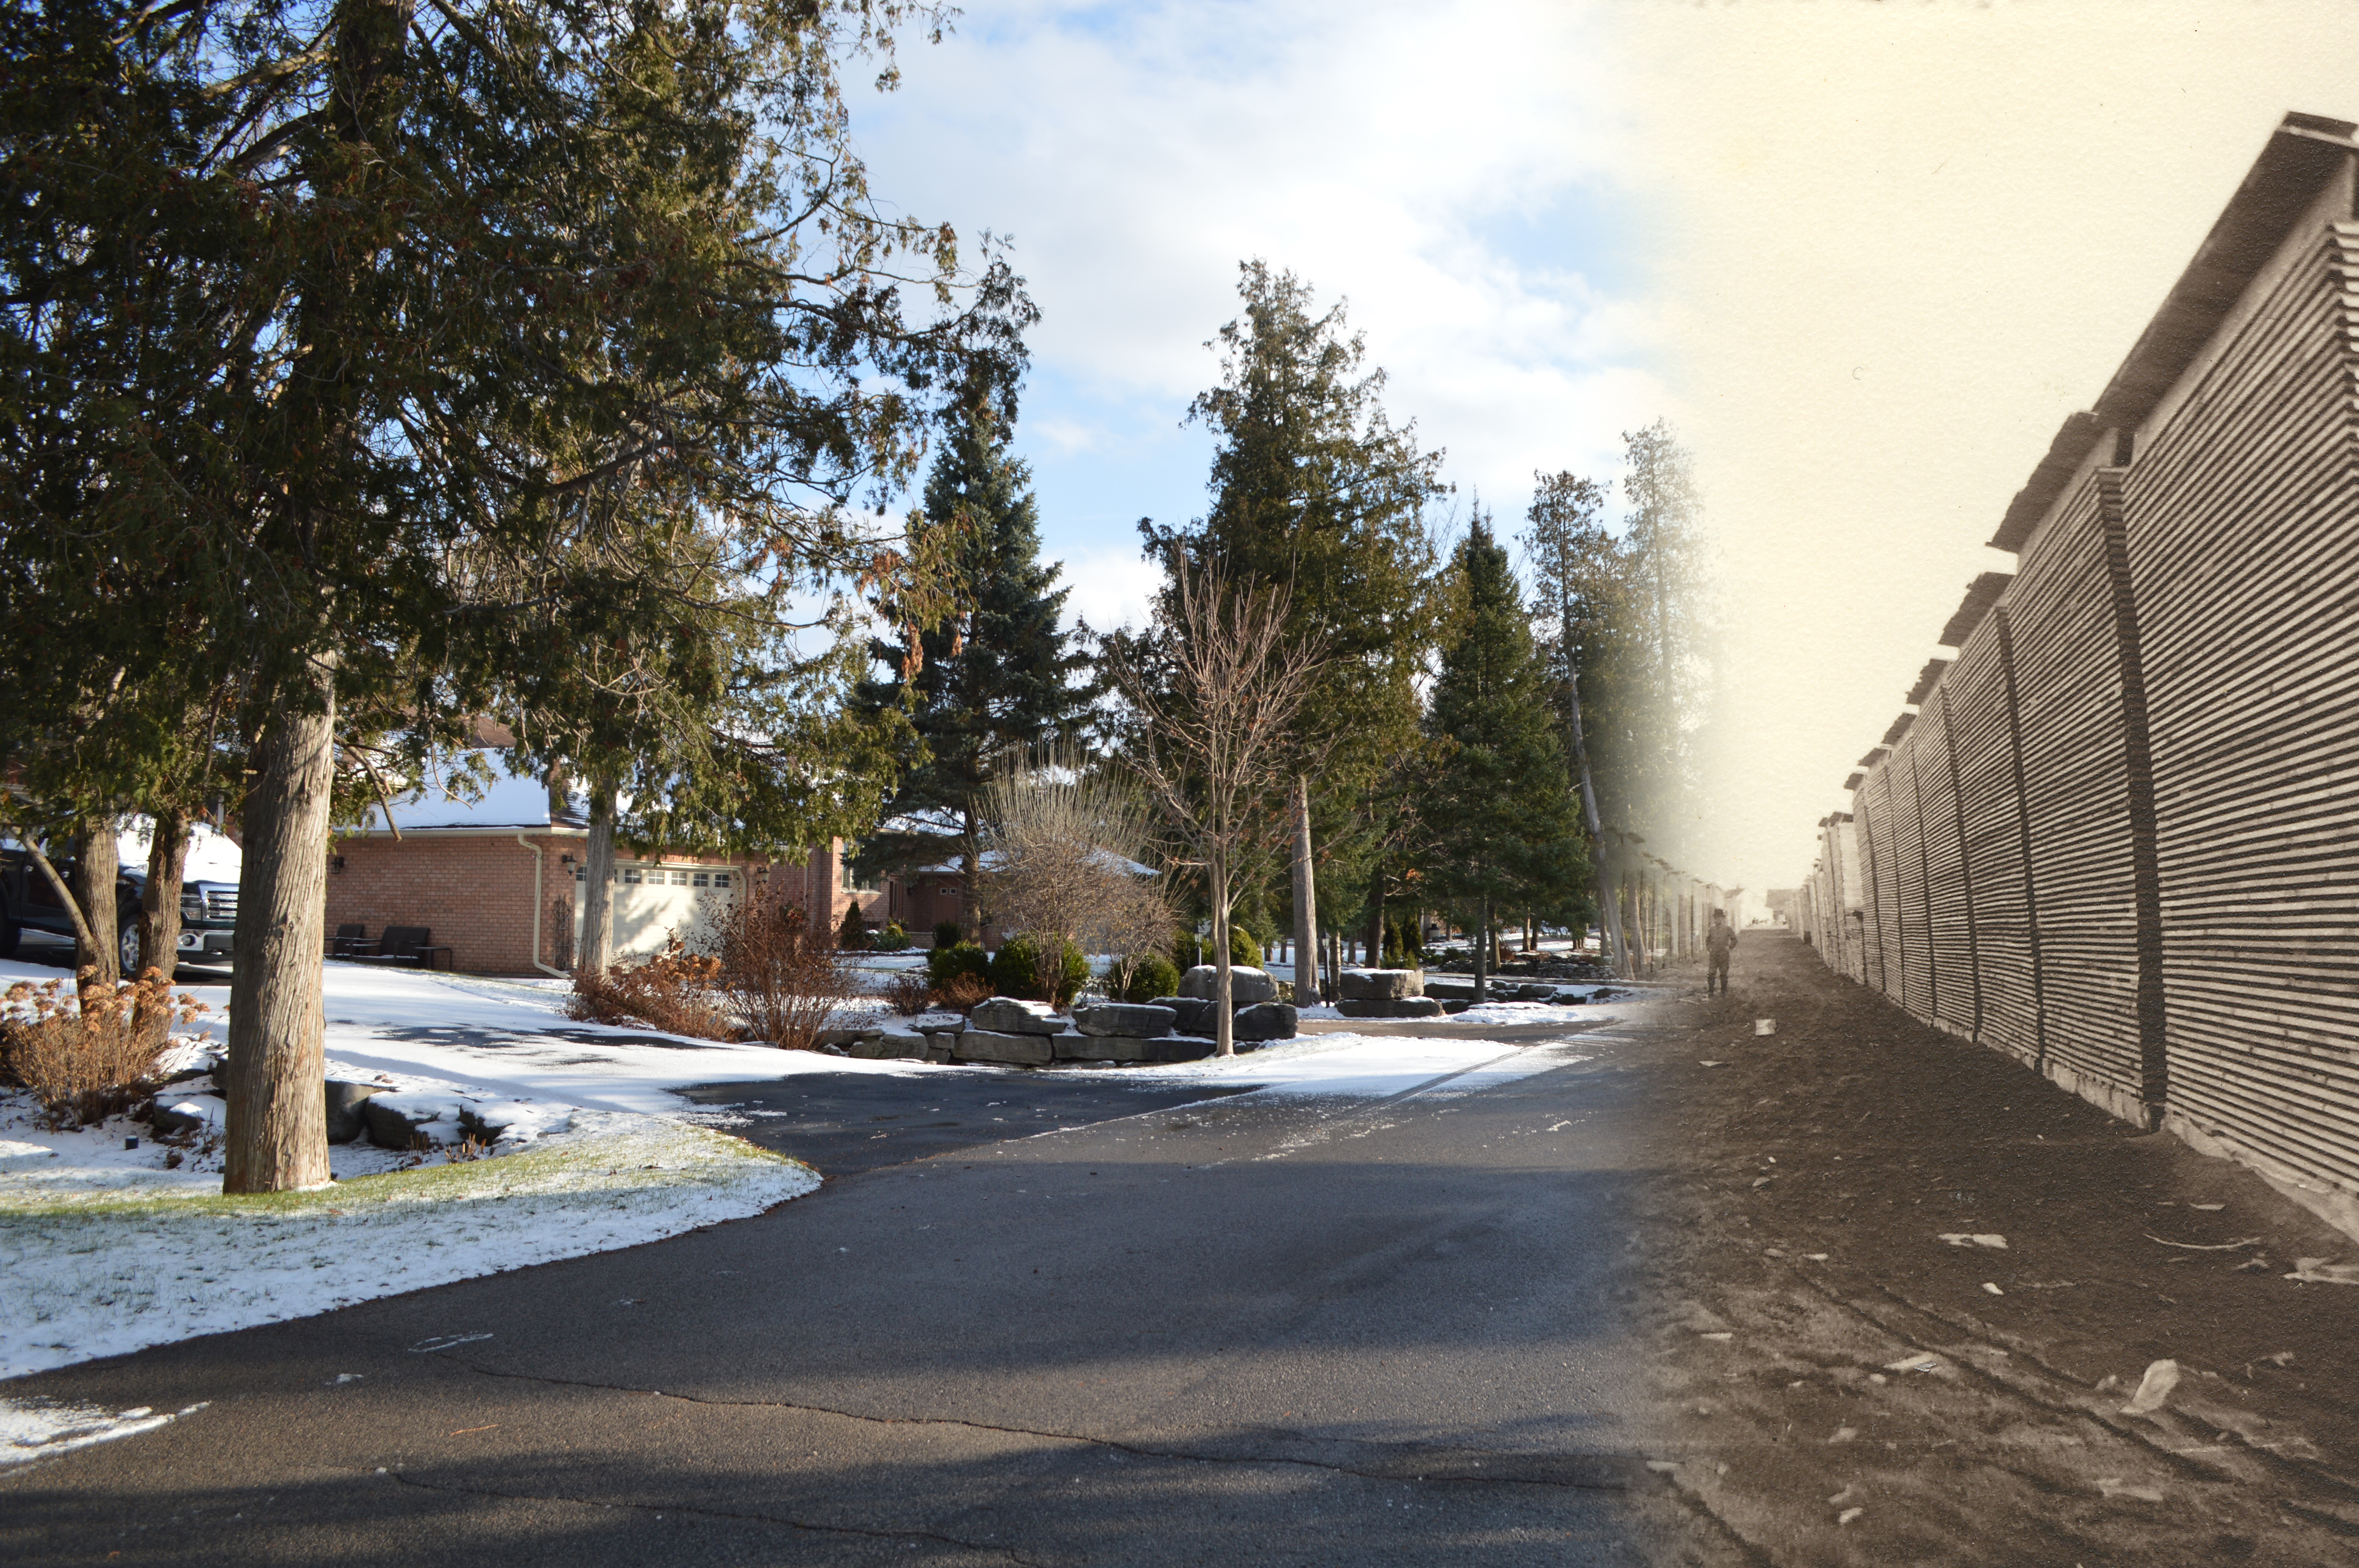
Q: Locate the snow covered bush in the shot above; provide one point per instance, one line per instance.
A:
(92, 1050)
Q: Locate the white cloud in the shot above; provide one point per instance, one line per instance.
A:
(1112, 587)
(1433, 163)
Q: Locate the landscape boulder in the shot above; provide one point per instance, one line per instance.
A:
(392, 1127)
(889, 1045)
(1129, 1048)
(1247, 986)
(1008, 1015)
(1190, 1014)
(1403, 1007)
(1265, 1020)
(344, 1101)
(1112, 1020)
(1029, 1050)
(189, 1113)
(1378, 985)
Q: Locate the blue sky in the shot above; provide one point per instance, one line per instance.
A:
(1447, 169)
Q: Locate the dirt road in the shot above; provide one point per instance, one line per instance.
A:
(1847, 1386)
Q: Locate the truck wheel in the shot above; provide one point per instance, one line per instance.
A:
(126, 948)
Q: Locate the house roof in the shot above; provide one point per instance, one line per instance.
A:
(511, 801)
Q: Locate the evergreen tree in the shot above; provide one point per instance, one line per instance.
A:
(1503, 829)
(994, 681)
(1580, 591)
(1316, 491)
(386, 292)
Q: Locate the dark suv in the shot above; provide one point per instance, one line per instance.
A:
(27, 903)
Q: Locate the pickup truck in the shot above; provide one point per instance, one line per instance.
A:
(27, 903)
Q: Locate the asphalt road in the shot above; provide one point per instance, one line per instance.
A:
(1269, 1329)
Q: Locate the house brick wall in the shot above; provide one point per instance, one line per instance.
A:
(475, 892)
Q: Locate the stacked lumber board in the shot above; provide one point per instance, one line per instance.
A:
(1884, 952)
(1909, 877)
(2075, 779)
(2242, 524)
(1949, 883)
(1981, 721)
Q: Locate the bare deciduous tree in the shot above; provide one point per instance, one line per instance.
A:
(1216, 731)
(1062, 847)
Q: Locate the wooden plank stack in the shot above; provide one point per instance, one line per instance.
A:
(2118, 836)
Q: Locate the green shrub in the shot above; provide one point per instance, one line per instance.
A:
(944, 965)
(1190, 949)
(1016, 969)
(1144, 978)
(853, 934)
(947, 933)
(892, 939)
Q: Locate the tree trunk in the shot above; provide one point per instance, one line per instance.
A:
(160, 902)
(969, 876)
(1609, 909)
(595, 952)
(276, 1126)
(1482, 951)
(1376, 919)
(1225, 1021)
(96, 862)
(1305, 901)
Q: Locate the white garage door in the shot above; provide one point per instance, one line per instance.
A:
(651, 901)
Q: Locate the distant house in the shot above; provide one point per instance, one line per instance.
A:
(497, 878)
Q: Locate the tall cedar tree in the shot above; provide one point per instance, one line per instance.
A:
(1579, 593)
(993, 684)
(1504, 831)
(397, 287)
(1317, 493)
(1665, 652)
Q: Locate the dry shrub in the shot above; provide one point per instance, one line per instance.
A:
(92, 1050)
(1062, 841)
(676, 991)
(779, 978)
(961, 992)
(908, 993)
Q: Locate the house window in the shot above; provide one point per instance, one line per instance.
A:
(630, 873)
(580, 874)
(721, 879)
(701, 881)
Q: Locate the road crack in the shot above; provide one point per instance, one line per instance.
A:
(1616, 1472)
(745, 1516)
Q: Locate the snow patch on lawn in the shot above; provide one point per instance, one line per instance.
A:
(104, 1262)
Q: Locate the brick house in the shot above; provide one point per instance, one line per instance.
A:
(496, 878)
